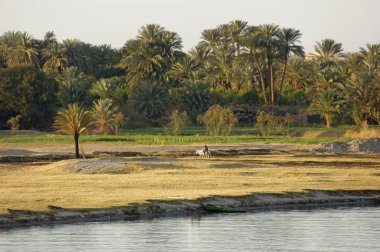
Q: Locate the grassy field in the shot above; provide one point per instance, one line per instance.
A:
(305, 135)
(34, 187)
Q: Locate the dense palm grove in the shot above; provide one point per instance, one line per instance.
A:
(258, 68)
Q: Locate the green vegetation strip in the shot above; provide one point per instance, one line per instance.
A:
(167, 140)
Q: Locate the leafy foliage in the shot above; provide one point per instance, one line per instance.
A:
(74, 120)
(268, 124)
(178, 121)
(218, 120)
(29, 92)
(104, 116)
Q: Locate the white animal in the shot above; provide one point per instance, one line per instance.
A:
(202, 153)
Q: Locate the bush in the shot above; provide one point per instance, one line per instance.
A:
(177, 123)
(218, 120)
(268, 124)
(14, 123)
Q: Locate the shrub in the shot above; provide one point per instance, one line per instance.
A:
(178, 120)
(268, 124)
(218, 120)
(14, 123)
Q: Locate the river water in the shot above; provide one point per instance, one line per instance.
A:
(322, 229)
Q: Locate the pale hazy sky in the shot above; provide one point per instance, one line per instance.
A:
(350, 22)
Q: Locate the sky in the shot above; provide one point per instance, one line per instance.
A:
(350, 22)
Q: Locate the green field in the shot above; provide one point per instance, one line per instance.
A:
(296, 135)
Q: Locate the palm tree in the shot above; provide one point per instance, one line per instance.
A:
(269, 41)
(151, 101)
(103, 113)
(221, 60)
(143, 62)
(256, 55)
(74, 121)
(363, 97)
(101, 89)
(185, 70)
(54, 57)
(151, 54)
(300, 73)
(22, 49)
(234, 32)
(195, 99)
(371, 56)
(289, 39)
(211, 37)
(327, 104)
(328, 49)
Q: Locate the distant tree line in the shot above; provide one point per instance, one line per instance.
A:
(150, 77)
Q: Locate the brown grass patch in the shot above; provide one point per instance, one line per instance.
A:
(35, 187)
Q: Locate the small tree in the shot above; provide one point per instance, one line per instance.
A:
(218, 120)
(103, 113)
(178, 120)
(74, 121)
(327, 104)
(268, 124)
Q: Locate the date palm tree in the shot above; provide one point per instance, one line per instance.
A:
(327, 104)
(150, 56)
(363, 97)
(104, 113)
(289, 39)
(256, 55)
(73, 120)
(21, 49)
(54, 57)
(328, 49)
(269, 41)
(185, 70)
(371, 56)
(234, 32)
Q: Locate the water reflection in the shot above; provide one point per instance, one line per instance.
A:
(340, 229)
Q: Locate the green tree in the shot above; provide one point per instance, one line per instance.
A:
(20, 48)
(74, 87)
(195, 99)
(289, 43)
(328, 49)
(27, 91)
(104, 116)
(54, 58)
(73, 120)
(371, 56)
(150, 56)
(327, 104)
(363, 97)
(151, 101)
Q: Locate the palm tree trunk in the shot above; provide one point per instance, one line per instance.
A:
(76, 140)
(262, 81)
(271, 82)
(328, 120)
(282, 79)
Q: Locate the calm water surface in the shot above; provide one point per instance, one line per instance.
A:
(328, 229)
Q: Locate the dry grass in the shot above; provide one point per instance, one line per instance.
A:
(34, 187)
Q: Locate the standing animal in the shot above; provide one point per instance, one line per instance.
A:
(203, 153)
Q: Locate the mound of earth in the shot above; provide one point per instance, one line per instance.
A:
(371, 145)
(97, 166)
